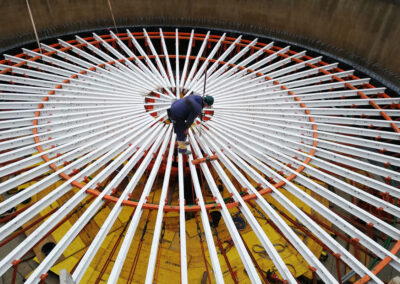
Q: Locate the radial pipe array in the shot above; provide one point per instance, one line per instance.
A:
(96, 107)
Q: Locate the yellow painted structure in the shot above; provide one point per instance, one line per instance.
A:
(168, 261)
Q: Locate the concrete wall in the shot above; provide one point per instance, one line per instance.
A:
(366, 32)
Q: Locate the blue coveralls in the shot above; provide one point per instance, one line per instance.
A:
(184, 112)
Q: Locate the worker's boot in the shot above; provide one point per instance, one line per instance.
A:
(182, 148)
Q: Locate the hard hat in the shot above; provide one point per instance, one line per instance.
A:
(209, 100)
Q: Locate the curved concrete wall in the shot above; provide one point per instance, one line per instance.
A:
(365, 32)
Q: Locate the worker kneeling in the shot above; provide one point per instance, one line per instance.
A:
(183, 112)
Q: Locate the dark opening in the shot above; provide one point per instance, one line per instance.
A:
(47, 247)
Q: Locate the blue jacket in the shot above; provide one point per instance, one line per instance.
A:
(187, 109)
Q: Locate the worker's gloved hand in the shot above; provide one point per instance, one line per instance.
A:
(167, 121)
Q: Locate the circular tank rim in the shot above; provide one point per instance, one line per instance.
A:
(381, 75)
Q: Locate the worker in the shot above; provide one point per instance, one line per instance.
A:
(182, 114)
